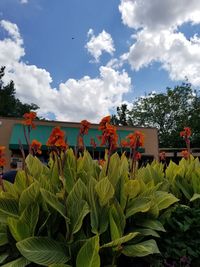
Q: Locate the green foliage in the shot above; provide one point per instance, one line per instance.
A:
(10, 105)
(169, 112)
(73, 214)
(182, 237)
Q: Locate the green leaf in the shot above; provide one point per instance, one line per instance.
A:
(9, 206)
(76, 213)
(3, 257)
(164, 199)
(138, 205)
(29, 196)
(88, 255)
(21, 262)
(79, 191)
(121, 240)
(152, 224)
(43, 251)
(53, 201)
(69, 170)
(105, 191)
(117, 221)
(20, 183)
(94, 207)
(34, 166)
(3, 239)
(147, 232)
(9, 187)
(60, 265)
(18, 229)
(30, 217)
(132, 188)
(141, 249)
(194, 197)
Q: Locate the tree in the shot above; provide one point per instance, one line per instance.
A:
(10, 106)
(169, 112)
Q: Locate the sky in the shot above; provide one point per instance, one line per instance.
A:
(80, 59)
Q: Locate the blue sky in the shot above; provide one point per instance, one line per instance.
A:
(73, 75)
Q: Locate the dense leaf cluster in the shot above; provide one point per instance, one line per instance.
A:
(170, 112)
(10, 105)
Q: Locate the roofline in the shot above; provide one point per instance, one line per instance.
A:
(123, 127)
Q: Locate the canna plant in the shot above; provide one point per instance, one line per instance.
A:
(75, 212)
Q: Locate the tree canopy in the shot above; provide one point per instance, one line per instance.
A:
(10, 106)
(169, 112)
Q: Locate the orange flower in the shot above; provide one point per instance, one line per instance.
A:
(109, 137)
(136, 140)
(2, 148)
(185, 154)
(2, 162)
(186, 133)
(124, 143)
(101, 162)
(138, 155)
(29, 117)
(92, 143)
(85, 125)
(162, 155)
(80, 142)
(56, 139)
(104, 122)
(36, 147)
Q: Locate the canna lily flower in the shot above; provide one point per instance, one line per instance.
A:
(2, 148)
(186, 134)
(56, 139)
(101, 162)
(185, 154)
(93, 143)
(2, 162)
(136, 140)
(36, 147)
(80, 142)
(137, 156)
(124, 143)
(104, 122)
(162, 156)
(85, 125)
(28, 119)
(109, 137)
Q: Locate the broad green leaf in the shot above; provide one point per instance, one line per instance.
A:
(53, 201)
(3, 257)
(141, 249)
(29, 196)
(114, 169)
(20, 183)
(119, 241)
(88, 255)
(117, 221)
(20, 262)
(164, 199)
(34, 166)
(94, 207)
(60, 265)
(76, 213)
(78, 192)
(3, 239)
(152, 224)
(9, 187)
(69, 170)
(18, 229)
(43, 251)
(138, 205)
(30, 217)
(147, 232)
(9, 206)
(132, 188)
(104, 190)
(195, 197)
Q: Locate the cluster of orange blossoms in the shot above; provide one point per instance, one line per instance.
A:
(2, 159)
(56, 139)
(93, 143)
(36, 147)
(109, 135)
(186, 134)
(185, 154)
(85, 126)
(28, 119)
(134, 141)
(162, 156)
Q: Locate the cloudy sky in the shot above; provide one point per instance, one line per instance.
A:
(80, 59)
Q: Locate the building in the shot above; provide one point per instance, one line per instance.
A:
(12, 133)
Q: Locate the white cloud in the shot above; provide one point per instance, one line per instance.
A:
(158, 39)
(99, 44)
(73, 100)
(24, 1)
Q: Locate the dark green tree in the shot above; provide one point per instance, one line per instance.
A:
(169, 112)
(10, 106)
